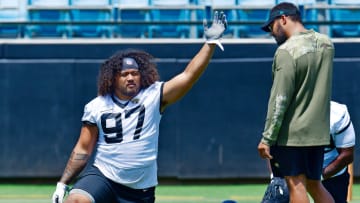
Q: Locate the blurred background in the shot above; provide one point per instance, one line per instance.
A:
(50, 52)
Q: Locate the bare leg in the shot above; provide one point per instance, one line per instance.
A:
(318, 192)
(297, 189)
(77, 198)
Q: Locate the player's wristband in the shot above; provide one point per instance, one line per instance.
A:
(217, 42)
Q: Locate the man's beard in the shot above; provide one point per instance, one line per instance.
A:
(129, 93)
(281, 37)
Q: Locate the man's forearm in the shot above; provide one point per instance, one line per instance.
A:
(337, 165)
(75, 165)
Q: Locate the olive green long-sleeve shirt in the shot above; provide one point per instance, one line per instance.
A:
(299, 105)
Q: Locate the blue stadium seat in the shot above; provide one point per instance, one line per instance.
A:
(91, 11)
(345, 14)
(133, 10)
(51, 11)
(170, 11)
(259, 12)
(223, 5)
(15, 11)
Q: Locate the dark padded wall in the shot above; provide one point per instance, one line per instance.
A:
(212, 132)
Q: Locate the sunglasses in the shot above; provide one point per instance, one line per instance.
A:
(271, 25)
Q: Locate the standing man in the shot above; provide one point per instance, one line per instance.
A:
(122, 123)
(298, 116)
(338, 155)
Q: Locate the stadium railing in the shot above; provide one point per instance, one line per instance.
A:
(69, 19)
(11, 11)
(174, 11)
(47, 11)
(350, 11)
(253, 11)
(130, 11)
(117, 23)
(336, 20)
(95, 11)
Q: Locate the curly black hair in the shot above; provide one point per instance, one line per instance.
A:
(109, 69)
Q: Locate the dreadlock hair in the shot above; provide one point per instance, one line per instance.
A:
(113, 65)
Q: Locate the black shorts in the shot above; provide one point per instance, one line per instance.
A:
(293, 161)
(100, 189)
(338, 187)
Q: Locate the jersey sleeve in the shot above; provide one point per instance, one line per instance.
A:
(89, 116)
(282, 91)
(342, 130)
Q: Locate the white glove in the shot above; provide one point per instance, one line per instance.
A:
(215, 32)
(59, 193)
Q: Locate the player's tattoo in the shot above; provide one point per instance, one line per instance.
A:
(78, 156)
(74, 166)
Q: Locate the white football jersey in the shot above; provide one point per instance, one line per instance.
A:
(128, 136)
(341, 131)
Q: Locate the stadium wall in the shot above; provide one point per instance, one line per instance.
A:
(212, 133)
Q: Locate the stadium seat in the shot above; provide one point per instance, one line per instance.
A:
(345, 14)
(12, 11)
(91, 11)
(259, 12)
(50, 11)
(223, 5)
(132, 10)
(170, 11)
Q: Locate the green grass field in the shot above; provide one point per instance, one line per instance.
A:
(242, 193)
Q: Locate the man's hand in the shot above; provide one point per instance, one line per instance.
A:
(59, 193)
(264, 151)
(215, 32)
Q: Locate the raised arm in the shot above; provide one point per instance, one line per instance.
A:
(178, 86)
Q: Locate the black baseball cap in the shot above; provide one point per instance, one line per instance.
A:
(284, 8)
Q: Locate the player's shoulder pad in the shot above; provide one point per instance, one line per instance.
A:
(99, 102)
